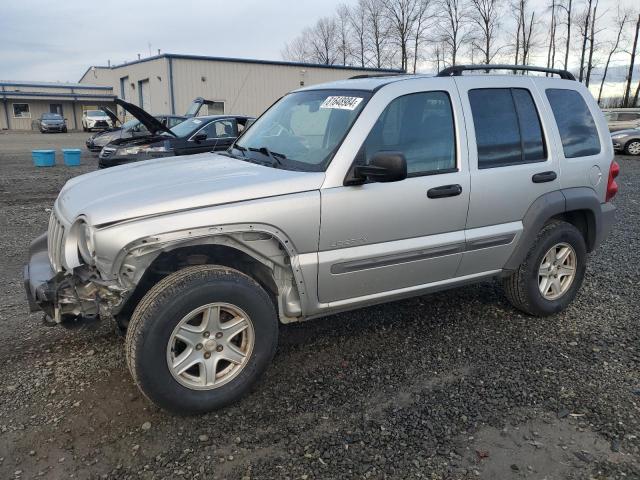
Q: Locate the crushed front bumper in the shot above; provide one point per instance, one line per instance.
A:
(39, 277)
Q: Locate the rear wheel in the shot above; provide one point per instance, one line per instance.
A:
(552, 272)
(201, 338)
(632, 148)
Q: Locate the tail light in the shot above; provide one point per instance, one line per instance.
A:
(612, 186)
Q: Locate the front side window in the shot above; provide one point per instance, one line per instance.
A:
(576, 124)
(220, 129)
(420, 125)
(21, 110)
(304, 129)
(507, 127)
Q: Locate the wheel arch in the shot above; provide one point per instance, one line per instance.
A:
(578, 206)
(265, 256)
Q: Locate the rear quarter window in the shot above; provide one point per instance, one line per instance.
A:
(576, 125)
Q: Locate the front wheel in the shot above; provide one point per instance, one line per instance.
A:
(552, 272)
(201, 338)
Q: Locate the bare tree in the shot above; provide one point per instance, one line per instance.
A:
(568, 9)
(343, 28)
(584, 33)
(402, 17)
(357, 19)
(485, 15)
(323, 41)
(592, 44)
(423, 23)
(378, 31)
(621, 22)
(454, 28)
(627, 90)
(296, 50)
(551, 50)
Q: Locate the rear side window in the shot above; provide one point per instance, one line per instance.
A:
(576, 125)
(507, 127)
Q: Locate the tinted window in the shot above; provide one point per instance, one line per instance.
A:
(576, 125)
(420, 126)
(507, 127)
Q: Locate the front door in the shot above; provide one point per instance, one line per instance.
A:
(220, 136)
(379, 238)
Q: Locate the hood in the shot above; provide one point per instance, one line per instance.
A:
(153, 124)
(114, 118)
(162, 186)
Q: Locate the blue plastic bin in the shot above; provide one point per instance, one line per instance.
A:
(43, 158)
(71, 156)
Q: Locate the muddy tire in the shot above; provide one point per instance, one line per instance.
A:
(552, 272)
(201, 338)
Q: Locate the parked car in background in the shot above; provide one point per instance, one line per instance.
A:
(194, 135)
(622, 118)
(50, 122)
(96, 120)
(627, 141)
(131, 129)
(340, 196)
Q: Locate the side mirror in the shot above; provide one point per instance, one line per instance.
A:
(383, 167)
(201, 137)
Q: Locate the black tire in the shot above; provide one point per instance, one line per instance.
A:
(522, 287)
(162, 308)
(630, 145)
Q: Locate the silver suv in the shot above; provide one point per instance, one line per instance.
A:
(339, 196)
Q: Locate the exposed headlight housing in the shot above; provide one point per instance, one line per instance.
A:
(86, 242)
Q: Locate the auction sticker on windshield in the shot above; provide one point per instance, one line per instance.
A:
(343, 103)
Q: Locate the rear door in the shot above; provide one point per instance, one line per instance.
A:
(512, 163)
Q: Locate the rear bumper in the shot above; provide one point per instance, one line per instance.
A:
(38, 277)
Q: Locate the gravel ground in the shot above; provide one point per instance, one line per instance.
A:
(455, 385)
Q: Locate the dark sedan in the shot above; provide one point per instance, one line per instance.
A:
(131, 129)
(51, 122)
(194, 135)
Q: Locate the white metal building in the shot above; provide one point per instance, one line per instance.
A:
(23, 102)
(168, 83)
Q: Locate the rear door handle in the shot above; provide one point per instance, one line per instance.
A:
(444, 191)
(544, 177)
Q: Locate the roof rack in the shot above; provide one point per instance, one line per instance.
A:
(377, 75)
(457, 70)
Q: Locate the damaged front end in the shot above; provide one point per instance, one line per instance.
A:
(80, 295)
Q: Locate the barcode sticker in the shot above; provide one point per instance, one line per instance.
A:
(343, 103)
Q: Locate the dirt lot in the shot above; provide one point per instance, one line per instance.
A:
(453, 385)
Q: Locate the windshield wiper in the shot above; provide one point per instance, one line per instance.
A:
(275, 156)
(238, 147)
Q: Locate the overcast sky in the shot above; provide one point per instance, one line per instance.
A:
(50, 41)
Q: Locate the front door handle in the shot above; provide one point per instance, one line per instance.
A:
(444, 191)
(544, 177)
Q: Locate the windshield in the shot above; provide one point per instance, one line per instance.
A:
(96, 113)
(51, 116)
(187, 127)
(304, 129)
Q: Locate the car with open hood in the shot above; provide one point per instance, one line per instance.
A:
(51, 122)
(134, 128)
(194, 135)
(340, 196)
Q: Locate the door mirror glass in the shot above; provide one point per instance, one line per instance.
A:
(383, 167)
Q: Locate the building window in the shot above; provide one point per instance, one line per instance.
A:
(123, 87)
(21, 110)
